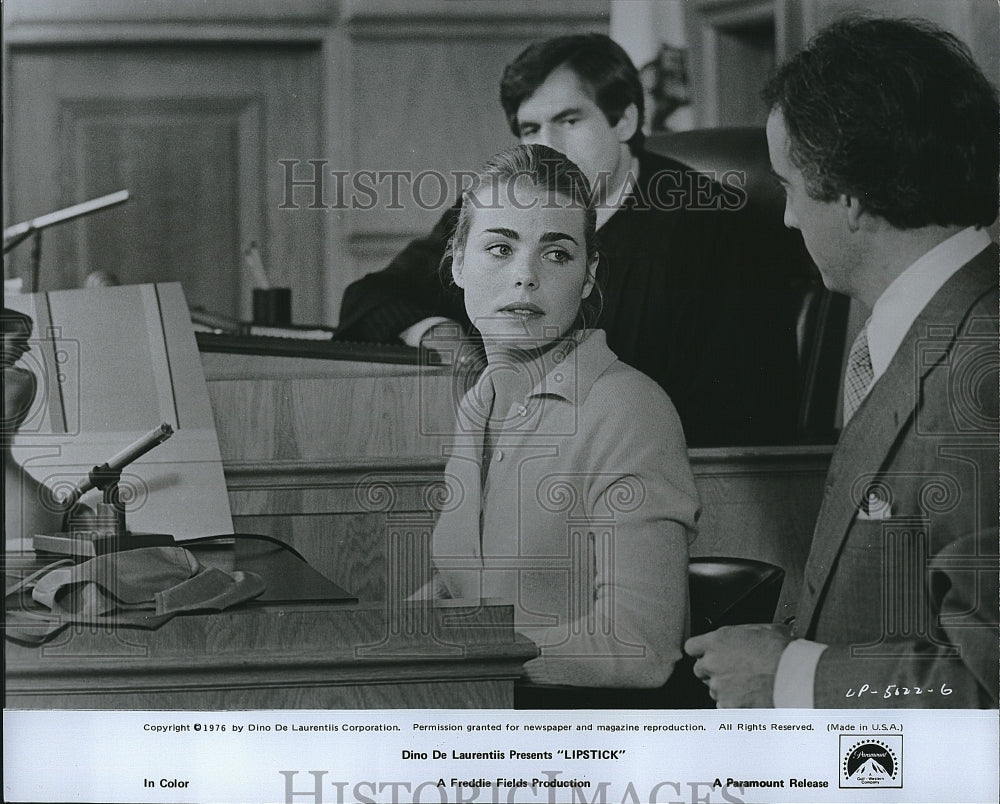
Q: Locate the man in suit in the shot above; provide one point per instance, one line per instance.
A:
(685, 300)
(884, 135)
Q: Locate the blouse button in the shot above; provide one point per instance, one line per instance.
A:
(499, 455)
(522, 410)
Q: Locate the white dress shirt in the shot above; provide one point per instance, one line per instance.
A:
(892, 316)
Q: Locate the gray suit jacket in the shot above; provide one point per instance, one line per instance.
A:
(908, 603)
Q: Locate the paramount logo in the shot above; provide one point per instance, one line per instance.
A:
(871, 762)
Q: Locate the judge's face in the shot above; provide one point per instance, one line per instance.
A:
(523, 266)
(562, 115)
(823, 223)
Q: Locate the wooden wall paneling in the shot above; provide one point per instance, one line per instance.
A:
(365, 526)
(195, 133)
(180, 160)
(56, 21)
(323, 420)
(358, 496)
(337, 114)
(760, 504)
(732, 50)
(31, 180)
(293, 90)
(429, 75)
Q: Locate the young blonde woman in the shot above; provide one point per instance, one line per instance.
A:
(572, 493)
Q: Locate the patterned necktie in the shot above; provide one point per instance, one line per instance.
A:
(859, 374)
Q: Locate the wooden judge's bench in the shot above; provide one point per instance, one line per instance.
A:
(342, 459)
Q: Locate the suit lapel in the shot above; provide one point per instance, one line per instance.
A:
(867, 441)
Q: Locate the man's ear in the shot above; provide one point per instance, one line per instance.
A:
(627, 124)
(854, 211)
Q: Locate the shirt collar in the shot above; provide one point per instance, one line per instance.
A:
(578, 361)
(900, 304)
(572, 376)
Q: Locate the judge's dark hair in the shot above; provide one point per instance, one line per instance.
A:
(548, 170)
(896, 113)
(600, 64)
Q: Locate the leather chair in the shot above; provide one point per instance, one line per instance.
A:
(818, 315)
(723, 591)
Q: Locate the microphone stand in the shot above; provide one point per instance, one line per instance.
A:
(108, 532)
(19, 232)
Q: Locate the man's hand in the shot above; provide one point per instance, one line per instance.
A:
(739, 663)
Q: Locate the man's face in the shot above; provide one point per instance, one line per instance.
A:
(823, 223)
(562, 115)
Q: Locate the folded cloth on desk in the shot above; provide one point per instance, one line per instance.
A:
(142, 588)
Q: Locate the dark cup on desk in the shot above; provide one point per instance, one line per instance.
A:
(272, 307)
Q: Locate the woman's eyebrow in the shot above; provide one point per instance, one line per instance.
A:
(508, 233)
(550, 237)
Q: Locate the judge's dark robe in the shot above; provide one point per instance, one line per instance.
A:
(690, 298)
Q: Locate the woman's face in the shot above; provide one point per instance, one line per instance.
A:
(524, 265)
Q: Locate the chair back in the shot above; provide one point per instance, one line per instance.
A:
(723, 591)
(732, 591)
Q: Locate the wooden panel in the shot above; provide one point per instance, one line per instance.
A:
(348, 470)
(481, 693)
(444, 116)
(316, 657)
(195, 133)
(354, 550)
(753, 506)
(429, 76)
(732, 45)
(760, 504)
(180, 161)
(325, 419)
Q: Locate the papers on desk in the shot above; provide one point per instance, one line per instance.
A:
(299, 333)
(111, 363)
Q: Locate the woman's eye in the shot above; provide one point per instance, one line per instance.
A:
(558, 255)
(570, 121)
(500, 250)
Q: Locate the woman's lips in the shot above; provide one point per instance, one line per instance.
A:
(522, 309)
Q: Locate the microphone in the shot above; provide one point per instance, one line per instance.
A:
(113, 466)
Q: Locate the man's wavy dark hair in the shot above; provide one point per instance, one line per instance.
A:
(896, 113)
(598, 62)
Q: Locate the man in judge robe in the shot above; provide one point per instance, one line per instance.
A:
(691, 296)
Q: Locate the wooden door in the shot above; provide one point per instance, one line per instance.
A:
(194, 133)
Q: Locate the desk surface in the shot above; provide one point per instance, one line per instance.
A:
(281, 655)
